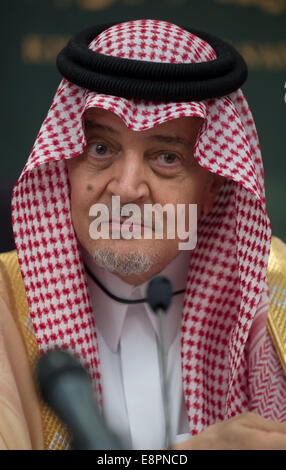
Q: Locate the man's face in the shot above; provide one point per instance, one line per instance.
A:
(155, 166)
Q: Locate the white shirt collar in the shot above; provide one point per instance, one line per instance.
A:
(110, 314)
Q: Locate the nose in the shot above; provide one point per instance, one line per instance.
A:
(129, 180)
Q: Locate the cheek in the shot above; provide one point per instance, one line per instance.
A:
(84, 190)
(191, 190)
(80, 198)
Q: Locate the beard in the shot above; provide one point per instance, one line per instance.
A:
(133, 262)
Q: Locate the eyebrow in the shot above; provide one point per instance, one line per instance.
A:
(168, 139)
(171, 139)
(101, 127)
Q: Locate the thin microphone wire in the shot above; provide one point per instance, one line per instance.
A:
(120, 299)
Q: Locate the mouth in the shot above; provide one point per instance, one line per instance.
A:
(123, 226)
(125, 222)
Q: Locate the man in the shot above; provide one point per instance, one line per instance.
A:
(153, 114)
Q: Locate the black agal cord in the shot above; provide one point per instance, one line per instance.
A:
(147, 80)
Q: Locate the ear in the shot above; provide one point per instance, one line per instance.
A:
(213, 186)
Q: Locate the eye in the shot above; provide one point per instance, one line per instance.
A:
(169, 158)
(98, 149)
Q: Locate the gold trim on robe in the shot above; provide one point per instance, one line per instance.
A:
(276, 320)
(55, 435)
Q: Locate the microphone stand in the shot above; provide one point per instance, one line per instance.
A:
(165, 390)
(159, 295)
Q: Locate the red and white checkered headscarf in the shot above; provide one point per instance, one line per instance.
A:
(227, 271)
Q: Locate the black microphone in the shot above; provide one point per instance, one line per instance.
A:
(159, 296)
(66, 388)
(159, 293)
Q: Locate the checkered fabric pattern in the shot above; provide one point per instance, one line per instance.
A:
(228, 267)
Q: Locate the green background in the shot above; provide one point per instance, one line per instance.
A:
(32, 31)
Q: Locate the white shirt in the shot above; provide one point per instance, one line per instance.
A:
(120, 408)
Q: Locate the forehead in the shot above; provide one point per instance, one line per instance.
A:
(185, 126)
